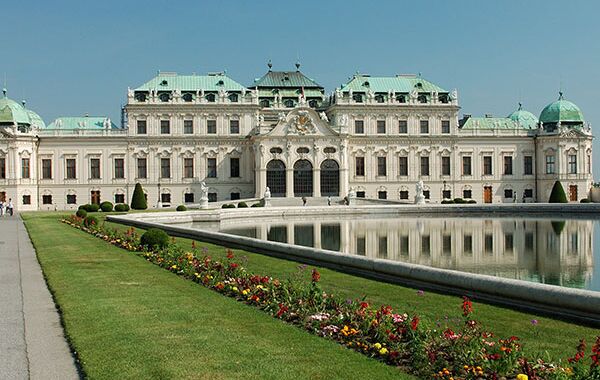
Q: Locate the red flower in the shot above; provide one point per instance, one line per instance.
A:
(316, 276)
(467, 306)
(364, 305)
(414, 323)
(282, 309)
(233, 265)
(229, 254)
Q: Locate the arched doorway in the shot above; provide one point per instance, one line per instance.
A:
(276, 178)
(330, 178)
(303, 179)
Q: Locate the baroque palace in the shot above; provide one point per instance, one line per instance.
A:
(374, 136)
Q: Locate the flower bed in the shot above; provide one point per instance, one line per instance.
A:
(458, 348)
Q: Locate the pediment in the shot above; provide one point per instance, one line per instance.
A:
(302, 121)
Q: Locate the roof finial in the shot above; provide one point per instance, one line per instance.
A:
(520, 106)
(560, 95)
(4, 91)
(270, 65)
(23, 102)
(298, 65)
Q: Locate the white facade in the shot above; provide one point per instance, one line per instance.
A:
(293, 139)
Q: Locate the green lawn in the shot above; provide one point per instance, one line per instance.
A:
(127, 318)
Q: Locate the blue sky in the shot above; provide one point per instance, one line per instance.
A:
(76, 57)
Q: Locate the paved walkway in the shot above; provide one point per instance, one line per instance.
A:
(32, 343)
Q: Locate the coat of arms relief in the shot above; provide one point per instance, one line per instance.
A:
(302, 124)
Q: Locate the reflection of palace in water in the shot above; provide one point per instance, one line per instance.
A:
(553, 252)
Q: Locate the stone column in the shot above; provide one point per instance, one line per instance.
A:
(344, 187)
(289, 182)
(316, 182)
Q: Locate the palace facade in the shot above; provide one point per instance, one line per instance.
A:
(375, 136)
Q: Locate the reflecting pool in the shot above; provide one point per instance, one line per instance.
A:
(557, 252)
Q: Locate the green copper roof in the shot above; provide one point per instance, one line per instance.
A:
(398, 83)
(85, 122)
(36, 120)
(172, 81)
(279, 79)
(491, 123)
(12, 112)
(291, 93)
(523, 117)
(561, 110)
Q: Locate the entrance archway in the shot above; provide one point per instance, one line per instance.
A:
(330, 178)
(303, 179)
(276, 178)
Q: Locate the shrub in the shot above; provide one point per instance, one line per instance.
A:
(242, 205)
(121, 207)
(90, 221)
(584, 200)
(447, 201)
(138, 200)
(558, 194)
(471, 201)
(228, 205)
(258, 204)
(106, 206)
(82, 207)
(181, 208)
(93, 207)
(81, 213)
(459, 201)
(154, 237)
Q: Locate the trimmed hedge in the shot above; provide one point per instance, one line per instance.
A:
(93, 207)
(228, 205)
(81, 213)
(181, 208)
(90, 221)
(106, 206)
(154, 237)
(242, 205)
(138, 200)
(120, 207)
(558, 194)
(584, 200)
(258, 204)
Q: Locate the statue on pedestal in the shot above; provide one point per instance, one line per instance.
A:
(419, 197)
(203, 195)
(267, 197)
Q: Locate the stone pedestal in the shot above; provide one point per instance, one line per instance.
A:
(419, 199)
(204, 203)
(351, 197)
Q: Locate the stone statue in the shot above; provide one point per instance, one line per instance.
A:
(351, 196)
(129, 92)
(281, 116)
(267, 197)
(324, 117)
(370, 94)
(339, 95)
(344, 120)
(257, 119)
(419, 197)
(203, 195)
(414, 94)
(454, 95)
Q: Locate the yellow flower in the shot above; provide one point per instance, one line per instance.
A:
(383, 351)
(377, 345)
(522, 376)
(245, 291)
(235, 289)
(174, 266)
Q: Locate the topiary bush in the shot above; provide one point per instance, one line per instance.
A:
(258, 204)
(181, 208)
(459, 201)
(138, 200)
(106, 206)
(447, 201)
(557, 195)
(82, 207)
(81, 213)
(584, 200)
(242, 205)
(120, 207)
(228, 205)
(154, 237)
(471, 201)
(93, 207)
(90, 221)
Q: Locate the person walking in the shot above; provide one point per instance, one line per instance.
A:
(1, 208)
(303, 201)
(9, 207)
(329, 201)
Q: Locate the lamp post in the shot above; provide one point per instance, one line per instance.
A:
(159, 203)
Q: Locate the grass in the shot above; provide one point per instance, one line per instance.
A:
(127, 318)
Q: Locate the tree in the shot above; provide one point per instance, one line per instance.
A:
(138, 201)
(558, 194)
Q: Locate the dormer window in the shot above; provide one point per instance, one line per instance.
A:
(265, 103)
(210, 98)
(443, 98)
(379, 98)
(289, 103)
(366, 83)
(187, 97)
(233, 98)
(164, 83)
(140, 96)
(220, 83)
(313, 103)
(164, 97)
(401, 98)
(419, 85)
(358, 98)
(422, 98)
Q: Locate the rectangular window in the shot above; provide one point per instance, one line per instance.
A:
(234, 167)
(381, 166)
(508, 193)
(165, 168)
(489, 243)
(403, 194)
(466, 165)
(165, 198)
(94, 168)
(382, 245)
(360, 166)
(528, 193)
(467, 244)
(2, 168)
(141, 127)
(380, 126)
(119, 168)
(142, 171)
(211, 127)
(360, 194)
(361, 244)
(359, 126)
(25, 169)
(403, 126)
(528, 165)
(425, 245)
(403, 166)
(424, 165)
(445, 165)
(71, 199)
(188, 127)
(234, 127)
(424, 126)
(447, 245)
(46, 168)
(71, 168)
(404, 244)
(445, 126)
(508, 165)
(26, 199)
(212, 197)
(487, 165)
(467, 194)
(508, 242)
(46, 199)
(234, 196)
(119, 198)
(572, 164)
(427, 194)
(382, 194)
(550, 161)
(447, 194)
(165, 127)
(211, 171)
(188, 168)
(188, 197)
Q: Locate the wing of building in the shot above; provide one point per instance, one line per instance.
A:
(375, 137)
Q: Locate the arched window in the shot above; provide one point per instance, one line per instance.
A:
(140, 96)
(401, 98)
(330, 178)
(358, 98)
(233, 98)
(303, 179)
(276, 180)
(276, 150)
(164, 97)
(379, 98)
(265, 103)
(210, 98)
(289, 103)
(188, 97)
(313, 103)
(422, 98)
